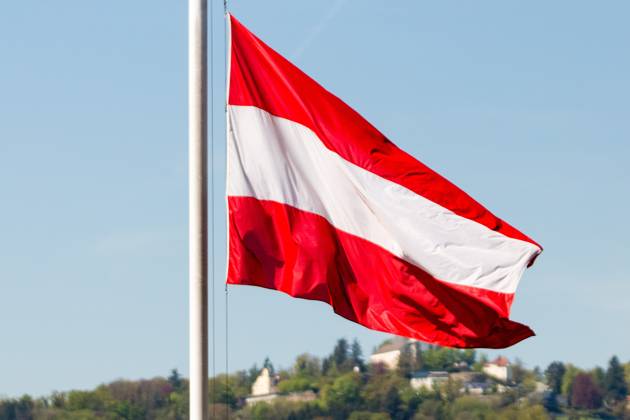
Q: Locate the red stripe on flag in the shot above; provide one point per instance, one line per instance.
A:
(261, 77)
(276, 246)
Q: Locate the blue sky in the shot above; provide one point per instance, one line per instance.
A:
(522, 104)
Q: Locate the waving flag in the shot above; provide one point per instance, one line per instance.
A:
(323, 206)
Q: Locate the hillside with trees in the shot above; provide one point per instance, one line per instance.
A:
(345, 385)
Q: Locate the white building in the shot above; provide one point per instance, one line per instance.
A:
(499, 368)
(388, 353)
(428, 380)
(264, 388)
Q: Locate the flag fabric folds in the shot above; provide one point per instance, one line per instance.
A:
(323, 206)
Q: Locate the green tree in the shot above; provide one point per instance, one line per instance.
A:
(222, 391)
(468, 407)
(340, 354)
(451, 389)
(175, 380)
(419, 362)
(523, 412)
(518, 372)
(406, 361)
(261, 411)
(87, 400)
(411, 400)
(367, 415)
(343, 396)
(267, 364)
(469, 356)
(570, 373)
(295, 384)
(599, 376)
(251, 374)
(177, 407)
(554, 374)
(436, 358)
(17, 409)
(393, 402)
(478, 366)
(356, 355)
(307, 366)
(135, 399)
(326, 365)
(431, 410)
(550, 402)
(129, 411)
(58, 399)
(383, 392)
(614, 381)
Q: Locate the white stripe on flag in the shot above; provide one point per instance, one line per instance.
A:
(271, 158)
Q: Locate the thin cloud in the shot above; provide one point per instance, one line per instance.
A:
(318, 29)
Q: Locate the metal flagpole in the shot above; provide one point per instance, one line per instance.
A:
(198, 207)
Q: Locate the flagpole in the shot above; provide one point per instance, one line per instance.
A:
(198, 207)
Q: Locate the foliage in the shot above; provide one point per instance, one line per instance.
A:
(307, 366)
(431, 409)
(343, 386)
(268, 365)
(340, 353)
(296, 384)
(519, 373)
(22, 408)
(356, 356)
(478, 365)
(584, 393)
(444, 358)
(343, 396)
(382, 393)
(599, 376)
(550, 402)
(614, 381)
(175, 380)
(527, 412)
(341, 359)
(570, 373)
(470, 408)
(406, 361)
(281, 410)
(368, 415)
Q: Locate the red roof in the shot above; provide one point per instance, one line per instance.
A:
(501, 361)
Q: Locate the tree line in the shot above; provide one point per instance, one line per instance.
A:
(345, 386)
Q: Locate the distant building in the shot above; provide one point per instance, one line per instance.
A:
(499, 369)
(476, 388)
(473, 383)
(264, 388)
(465, 377)
(428, 380)
(541, 387)
(461, 365)
(388, 354)
(264, 384)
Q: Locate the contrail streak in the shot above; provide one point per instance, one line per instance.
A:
(318, 29)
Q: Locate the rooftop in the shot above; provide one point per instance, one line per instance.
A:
(500, 361)
(393, 344)
(430, 374)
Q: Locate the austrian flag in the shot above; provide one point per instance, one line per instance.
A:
(323, 206)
